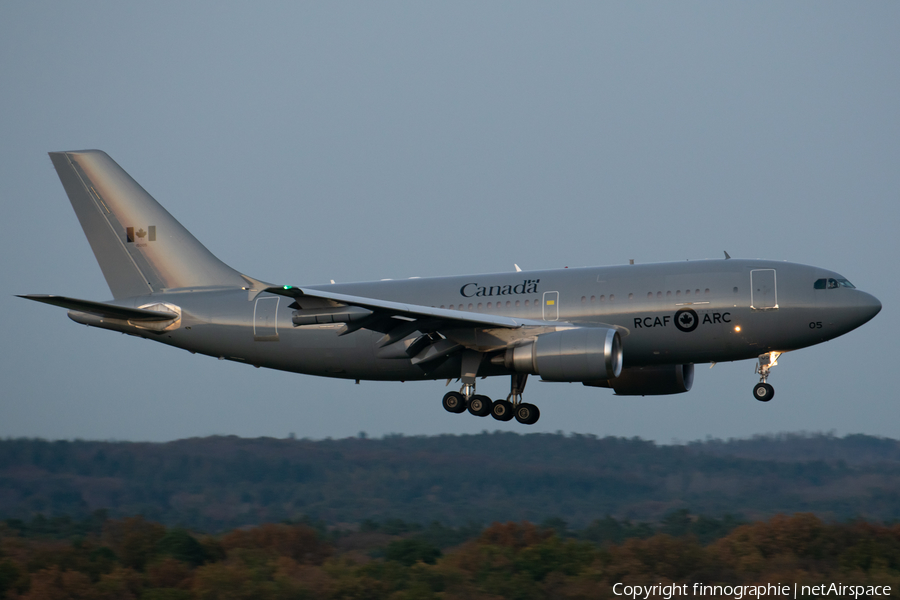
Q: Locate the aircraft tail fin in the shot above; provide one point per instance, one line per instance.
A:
(141, 248)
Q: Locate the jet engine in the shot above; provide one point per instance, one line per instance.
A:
(582, 354)
(650, 381)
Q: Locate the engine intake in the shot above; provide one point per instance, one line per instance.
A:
(583, 354)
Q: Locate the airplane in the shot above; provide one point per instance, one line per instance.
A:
(637, 329)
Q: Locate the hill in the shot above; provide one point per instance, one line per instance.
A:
(216, 483)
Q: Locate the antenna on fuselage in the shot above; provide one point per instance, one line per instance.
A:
(727, 256)
(518, 270)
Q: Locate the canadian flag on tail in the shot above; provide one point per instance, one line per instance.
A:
(141, 235)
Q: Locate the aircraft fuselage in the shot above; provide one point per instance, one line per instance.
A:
(638, 329)
(668, 313)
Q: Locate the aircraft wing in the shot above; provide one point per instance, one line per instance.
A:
(413, 311)
(450, 330)
(102, 309)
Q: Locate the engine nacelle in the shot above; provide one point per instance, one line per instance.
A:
(650, 381)
(583, 354)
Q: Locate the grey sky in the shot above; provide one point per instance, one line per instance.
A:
(354, 141)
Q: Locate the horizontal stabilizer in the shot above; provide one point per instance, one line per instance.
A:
(101, 309)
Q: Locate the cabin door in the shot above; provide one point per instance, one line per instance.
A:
(763, 295)
(551, 306)
(265, 325)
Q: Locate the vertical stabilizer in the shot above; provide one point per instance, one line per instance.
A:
(141, 248)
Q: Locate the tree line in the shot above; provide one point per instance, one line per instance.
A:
(133, 558)
(218, 483)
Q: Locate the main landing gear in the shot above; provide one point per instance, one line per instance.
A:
(762, 391)
(502, 410)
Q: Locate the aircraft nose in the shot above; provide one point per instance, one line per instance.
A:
(869, 306)
(853, 310)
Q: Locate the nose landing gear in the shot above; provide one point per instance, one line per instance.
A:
(762, 391)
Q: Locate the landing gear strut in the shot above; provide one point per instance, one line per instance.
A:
(505, 410)
(762, 391)
(526, 414)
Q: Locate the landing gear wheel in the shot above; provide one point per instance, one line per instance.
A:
(480, 406)
(503, 410)
(527, 414)
(763, 392)
(454, 402)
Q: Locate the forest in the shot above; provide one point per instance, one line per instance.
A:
(133, 558)
(214, 484)
(493, 515)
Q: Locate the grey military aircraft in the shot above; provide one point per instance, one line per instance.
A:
(638, 329)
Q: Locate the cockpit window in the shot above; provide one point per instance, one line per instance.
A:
(831, 284)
